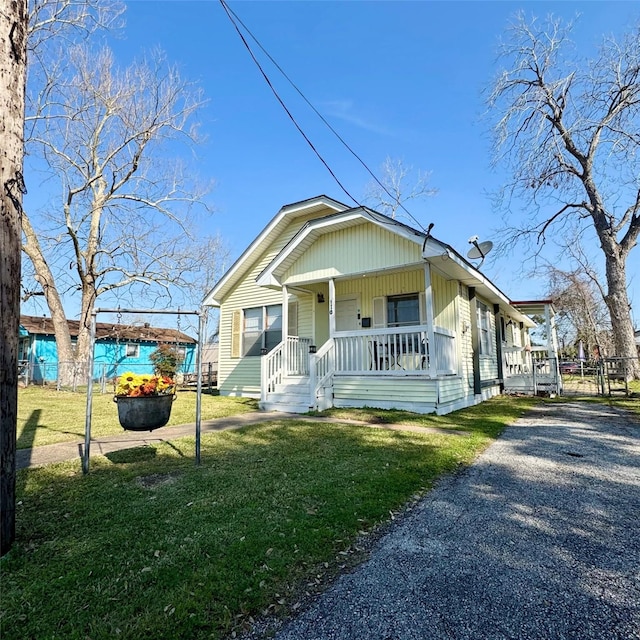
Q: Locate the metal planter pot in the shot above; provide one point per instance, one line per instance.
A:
(144, 413)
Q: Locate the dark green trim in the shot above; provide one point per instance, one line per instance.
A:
(496, 315)
(475, 341)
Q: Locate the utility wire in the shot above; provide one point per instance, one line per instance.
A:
(233, 17)
(275, 93)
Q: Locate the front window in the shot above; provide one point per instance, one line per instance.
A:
(484, 329)
(262, 329)
(403, 310)
(132, 350)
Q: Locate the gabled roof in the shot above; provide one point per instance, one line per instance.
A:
(268, 235)
(444, 257)
(36, 325)
(313, 229)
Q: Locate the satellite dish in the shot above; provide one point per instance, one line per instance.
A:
(479, 250)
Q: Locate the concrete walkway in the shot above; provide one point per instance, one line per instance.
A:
(63, 451)
(539, 539)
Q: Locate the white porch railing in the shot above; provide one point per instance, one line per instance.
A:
(524, 361)
(396, 351)
(297, 361)
(272, 370)
(516, 361)
(445, 351)
(289, 358)
(322, 367)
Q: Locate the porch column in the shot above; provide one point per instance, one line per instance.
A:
(496, 314)
(547, 322)
(475, 341)
(332, 308)
(431, 338)
(285, 328)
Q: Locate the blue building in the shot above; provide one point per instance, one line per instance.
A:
(118, 348)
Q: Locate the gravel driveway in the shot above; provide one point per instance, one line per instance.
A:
(538, 539)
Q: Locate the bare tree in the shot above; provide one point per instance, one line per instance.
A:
(124, 222)
(399, 184)
(581, 309)
(13, 56)
(214, 259)
(568, 130)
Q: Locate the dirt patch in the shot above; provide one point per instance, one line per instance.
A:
(156, 480)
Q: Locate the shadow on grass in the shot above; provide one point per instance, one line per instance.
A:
(134, 454)
(147, 527)
(27, 437)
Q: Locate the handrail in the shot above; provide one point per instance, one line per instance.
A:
(321, 369)
(297, 361)
(394, 351)
(272, 369)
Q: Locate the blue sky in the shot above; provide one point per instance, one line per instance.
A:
(397, 79)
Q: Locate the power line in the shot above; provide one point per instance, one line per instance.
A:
(275, 93)
(233, 17)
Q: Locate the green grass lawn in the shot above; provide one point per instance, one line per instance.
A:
(46, 416)
(150, 546)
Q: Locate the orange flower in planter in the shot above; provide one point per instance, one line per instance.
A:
(141, 386)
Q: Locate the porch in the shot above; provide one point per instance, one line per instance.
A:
(531, 371)
(298, 376)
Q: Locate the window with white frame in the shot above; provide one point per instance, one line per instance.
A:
(403, 310)
(132, 350)
(484, 328)
(262, 329)
(516, 334)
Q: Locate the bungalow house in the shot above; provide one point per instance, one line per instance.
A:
(338, 306)
(117, 348)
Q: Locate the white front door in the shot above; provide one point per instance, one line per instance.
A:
(347, 314)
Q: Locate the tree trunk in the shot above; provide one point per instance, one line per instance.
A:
(617, 302)
(44, 276)
(13, 30)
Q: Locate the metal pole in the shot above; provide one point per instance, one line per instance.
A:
(178, 312)
(87, 422)
(201, 320)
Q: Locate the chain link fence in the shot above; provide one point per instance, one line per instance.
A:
(73, 375)
(604, 377)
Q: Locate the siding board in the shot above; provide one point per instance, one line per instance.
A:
(358, 249)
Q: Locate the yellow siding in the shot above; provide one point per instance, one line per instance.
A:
(444, 294)
(452, 389)
(305, 316)
(465, 344)
(358, 249)
(370, 287)
(371, 390)
(238, 375)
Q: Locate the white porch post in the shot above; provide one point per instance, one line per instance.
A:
(285, 329)
(549, 330)
(332, 308)
(428, 300)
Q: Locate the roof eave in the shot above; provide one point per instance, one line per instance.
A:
(215, 296)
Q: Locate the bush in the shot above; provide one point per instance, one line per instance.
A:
(166, 359)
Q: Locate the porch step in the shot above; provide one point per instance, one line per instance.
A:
(284, 407)
(293, 395)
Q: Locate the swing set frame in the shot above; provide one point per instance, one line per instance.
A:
(177, 312)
